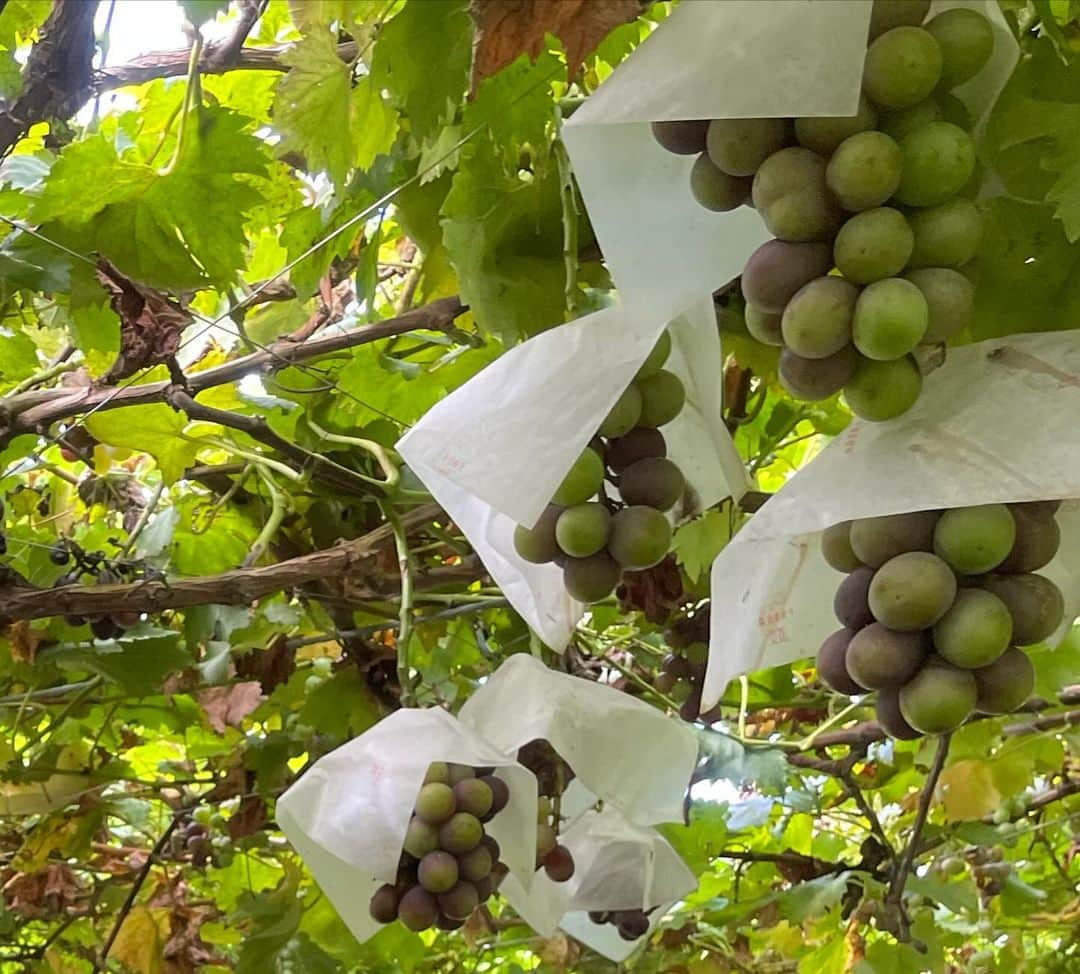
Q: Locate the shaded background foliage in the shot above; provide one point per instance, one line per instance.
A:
(231, 275)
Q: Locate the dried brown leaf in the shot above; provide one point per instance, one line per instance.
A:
(271, 666)
(227, 706)
(506, 29)
(151, 323)
(24, 641)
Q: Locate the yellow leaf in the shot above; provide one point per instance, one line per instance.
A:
(967, 791)
(140, 944)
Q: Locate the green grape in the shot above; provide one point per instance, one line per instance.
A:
(435, 803)
(975, 539)
(763, 326)
(912, 591)
(823, 134)
(891, 317)
(950, 299)
(624, 415)
(662, 399)
(939, 159)
(836, 547)
(872, 245)
(975, 631)
(902, 67)
(537, 544)
(902, 122)
(461, 833)
(582, 480)
(591, 579)
(947, 235)
(582, 530)
(880, 391)
(656, 358)
(817, 320)
(715, 189)
(683, 137)
(864, 171)
(739, 145)
(789, 192)
(939, 698)
(966, 40)
(640, 537)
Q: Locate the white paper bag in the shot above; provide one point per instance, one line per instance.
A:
(730, 59)
(494, 451)
(624, 751)
(997, 424)
(617, 866)
(347, 816)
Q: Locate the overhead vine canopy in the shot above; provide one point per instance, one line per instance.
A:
(244, 247)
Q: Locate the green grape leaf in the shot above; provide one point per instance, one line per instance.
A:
(333, 124)
(200, 11)
(697, 543)
(138, 661)
(155, 429)
(276, 917)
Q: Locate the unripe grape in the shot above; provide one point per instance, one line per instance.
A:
(823, 134)
(897, 124)
(966, 40)
(624, 415)
(817, 320)
(684, 138)
(912, 591)
(538, 544)
(891, 719)
(950, 301)
(437, 872)
(939, 698)
(714, 189)
(976, 539)
(851, 603)
(902, 67)
(812, 380)
(582, 530)
(461, 834)
(887, 14)
(873, 245)
(500, 797)
(947, 235)
(880, 391)
(640, 537)
(473, 796)
(876, 540)
(864, 171)
(836, 547)
(435, 803)
(975, 631)
(891, 317)
(739, 145)
(662, 398)
(1035, 603)
(939, 159)
(591, 579)
(656, 358)
(582, 480)
(791, 194)
(764, 327)
(420, 838)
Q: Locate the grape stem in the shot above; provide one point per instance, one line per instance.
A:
(405, 615)
(907, 859)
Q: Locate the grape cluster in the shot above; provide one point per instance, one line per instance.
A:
(873, 225)
(593, 537)
(194, 841)
(935, 608)
(682, 671)
(96, 566)
(448, 865)
(553, 776)
(631, 924)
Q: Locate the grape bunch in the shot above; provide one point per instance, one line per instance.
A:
(553, 776)
(631, 924)
(448, 865)
(194, 838)
(682, 671)
(935, 608)
(873, 223)
(595, 538)
(97, 567)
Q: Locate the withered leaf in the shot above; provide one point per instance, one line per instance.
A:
(506, 29)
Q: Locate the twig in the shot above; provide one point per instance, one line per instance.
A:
(40, 378)
(382, 457)
(144, 518)
(401, 543)
(865, 807)
(159, 846)
(904, 864)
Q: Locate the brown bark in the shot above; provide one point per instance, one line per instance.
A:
(215, 60)
(57, 78)
(38, 409)
(354, 558)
